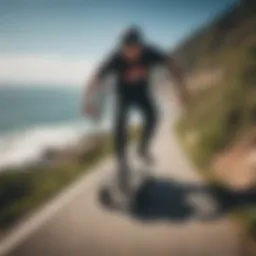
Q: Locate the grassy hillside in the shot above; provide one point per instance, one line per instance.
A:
(221, 112)
(218, 116)
(231, 28)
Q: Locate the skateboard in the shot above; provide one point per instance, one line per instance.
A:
(114, 198)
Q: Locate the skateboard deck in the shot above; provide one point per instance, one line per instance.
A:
(111, 196)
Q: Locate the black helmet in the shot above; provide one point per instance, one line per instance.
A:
(131, 36)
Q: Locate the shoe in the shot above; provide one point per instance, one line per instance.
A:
(124, 185)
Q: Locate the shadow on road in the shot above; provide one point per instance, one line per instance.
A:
(157, 199)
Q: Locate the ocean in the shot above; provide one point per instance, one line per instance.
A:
(35, 118)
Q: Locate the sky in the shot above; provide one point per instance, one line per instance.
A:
(61, 41)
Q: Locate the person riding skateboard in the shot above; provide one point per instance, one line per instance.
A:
(132, 62)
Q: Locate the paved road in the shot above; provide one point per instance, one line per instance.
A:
(162, 224)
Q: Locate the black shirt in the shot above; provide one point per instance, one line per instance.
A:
(133, 77)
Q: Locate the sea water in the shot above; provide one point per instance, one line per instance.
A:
(38, 117)
(35, 118)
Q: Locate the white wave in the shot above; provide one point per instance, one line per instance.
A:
(26, 147)
(22, 148)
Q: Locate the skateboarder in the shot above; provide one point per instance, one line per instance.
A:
(132, 62)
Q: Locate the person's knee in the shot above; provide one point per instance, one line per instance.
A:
(120, 123)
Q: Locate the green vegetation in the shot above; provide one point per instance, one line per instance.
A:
(205, 47)
(217, 116)
(23, 190)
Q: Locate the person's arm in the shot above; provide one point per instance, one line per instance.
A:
(92, 87)
(159, 57)
(179, 79)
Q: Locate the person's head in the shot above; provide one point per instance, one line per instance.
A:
(131, 43)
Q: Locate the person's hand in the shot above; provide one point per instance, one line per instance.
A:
(90, 105)
(91, 109)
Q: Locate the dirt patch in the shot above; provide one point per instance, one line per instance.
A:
(236, 166)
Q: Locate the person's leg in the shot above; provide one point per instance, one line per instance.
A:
(150, 116)
(120, 141)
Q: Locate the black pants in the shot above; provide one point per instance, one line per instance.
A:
(145, 105)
